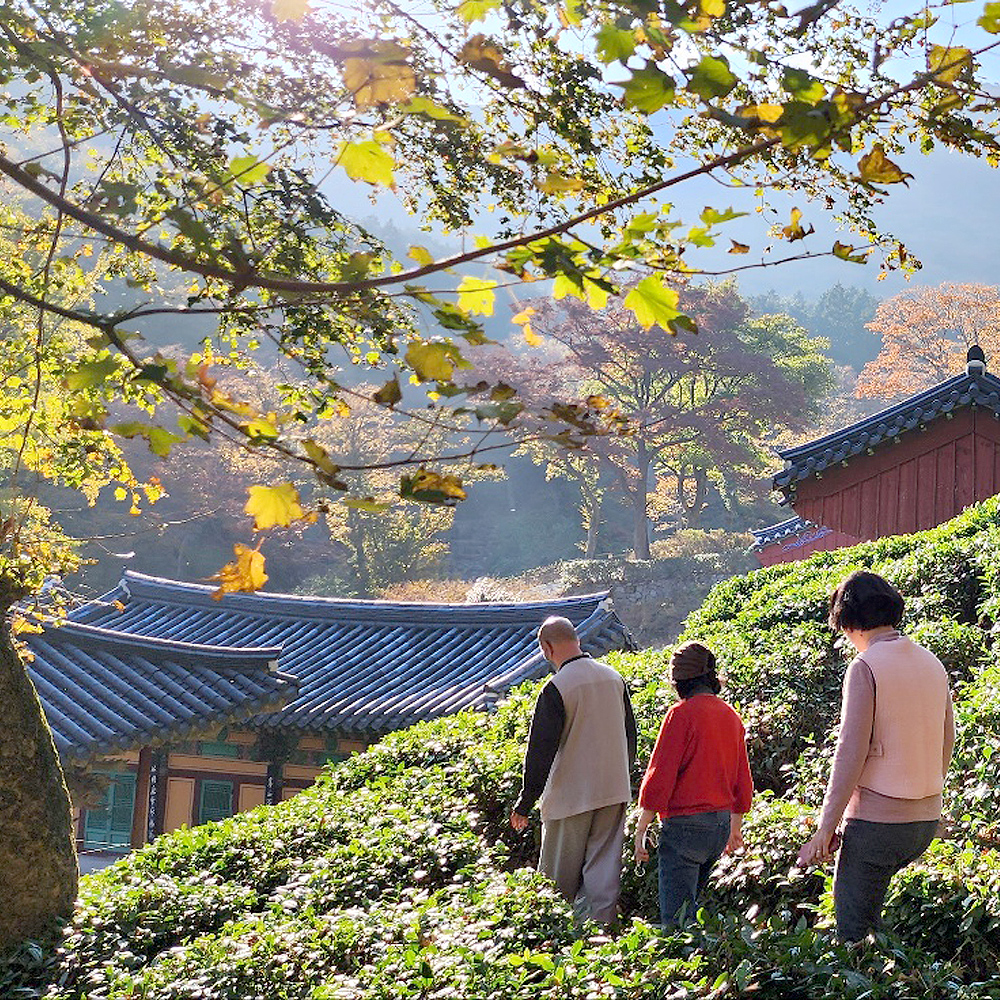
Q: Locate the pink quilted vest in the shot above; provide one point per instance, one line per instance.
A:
(911, 694)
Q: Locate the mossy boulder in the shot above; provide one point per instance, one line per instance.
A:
(37, 853)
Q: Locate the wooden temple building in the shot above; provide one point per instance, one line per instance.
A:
(195, 708)
(909, 467)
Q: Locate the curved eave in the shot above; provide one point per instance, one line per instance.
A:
(107, 692)
(777, 532)
(219, 657)
(95, 750)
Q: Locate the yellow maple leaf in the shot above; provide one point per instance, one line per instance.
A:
(876, 168)
(421, 255)
(273, 505)
(652, 302)
(482, 54)
(597, 296)
(476, 296)
(523, 320)
(430, 361)
(795, 230)
(428, 481)
(948, 63)
(557, 183)
(320, 457)
(530, 337)
(246, 573)
(367, 161)
(20, 624)
(289, 10)
(763, 112)
(373, 82)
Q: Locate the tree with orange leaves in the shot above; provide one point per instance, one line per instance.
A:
(926, 333)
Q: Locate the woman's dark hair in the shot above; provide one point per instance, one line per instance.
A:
(688, 687)
(864, 601)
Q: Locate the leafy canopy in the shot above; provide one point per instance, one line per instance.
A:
(201, 153)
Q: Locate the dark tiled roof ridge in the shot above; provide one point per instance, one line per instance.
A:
(968, 388)
(266, 603)
(775, 532)
(247, 657)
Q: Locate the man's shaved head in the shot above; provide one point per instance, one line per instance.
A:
(557, 630)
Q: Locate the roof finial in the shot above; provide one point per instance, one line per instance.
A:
(975, 361)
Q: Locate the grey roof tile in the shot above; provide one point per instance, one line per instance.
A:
(776, 532)
(104, 691)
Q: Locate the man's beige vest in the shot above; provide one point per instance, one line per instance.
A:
(911, 694)
(591, 766)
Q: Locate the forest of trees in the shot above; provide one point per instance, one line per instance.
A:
(709, 408)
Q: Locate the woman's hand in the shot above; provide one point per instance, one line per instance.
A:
(735, 842)
(820, 847)
(639, 849)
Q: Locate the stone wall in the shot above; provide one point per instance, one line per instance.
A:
(653, 597)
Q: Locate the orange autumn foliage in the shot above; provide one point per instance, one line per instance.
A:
(926, 333)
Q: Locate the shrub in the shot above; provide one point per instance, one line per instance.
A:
(398, 876)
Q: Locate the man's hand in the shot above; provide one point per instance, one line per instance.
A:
(518, 821)
(820, 847)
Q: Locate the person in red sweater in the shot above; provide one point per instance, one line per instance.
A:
(698, 783)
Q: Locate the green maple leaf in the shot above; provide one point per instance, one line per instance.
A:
(711, 78)
(614, 44)
(652, 303)
(649, 89)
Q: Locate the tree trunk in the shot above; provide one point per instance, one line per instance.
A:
(640, 503)
(590, 548)
(640, 523)
(356, 535)
(590, 509)
(694, 510)
(37, 853)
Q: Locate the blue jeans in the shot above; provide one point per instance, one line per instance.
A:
(870, 854)
(687, 851)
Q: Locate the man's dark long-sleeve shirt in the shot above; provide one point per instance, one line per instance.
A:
(547, 724)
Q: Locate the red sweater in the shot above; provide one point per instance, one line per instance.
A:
(699, 763)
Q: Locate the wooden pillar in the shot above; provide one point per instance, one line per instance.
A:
(157, 797)
(140, 807)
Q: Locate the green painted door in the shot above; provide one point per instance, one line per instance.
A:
(109, 824)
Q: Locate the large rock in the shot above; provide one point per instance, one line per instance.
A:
(38, 867)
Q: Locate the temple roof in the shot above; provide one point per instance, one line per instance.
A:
(105, 691)
(363, 667)
(975, 387)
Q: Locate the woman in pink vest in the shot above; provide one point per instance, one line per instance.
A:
(896, 736)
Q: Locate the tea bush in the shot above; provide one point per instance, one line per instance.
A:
(397, 875)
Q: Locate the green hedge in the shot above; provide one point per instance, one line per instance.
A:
(397, 875)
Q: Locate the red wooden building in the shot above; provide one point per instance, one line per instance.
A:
(906, 468)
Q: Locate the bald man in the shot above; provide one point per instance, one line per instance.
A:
(581, 747)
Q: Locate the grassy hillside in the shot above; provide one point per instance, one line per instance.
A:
(396, 876)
